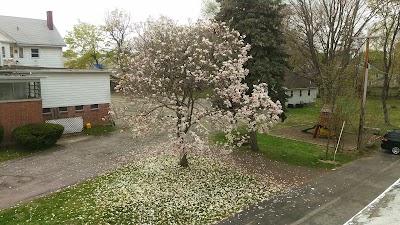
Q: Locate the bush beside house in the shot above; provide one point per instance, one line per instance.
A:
(1, 133)
(38, 135)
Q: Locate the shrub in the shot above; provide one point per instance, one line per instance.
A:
(1, 133)
(38, 135)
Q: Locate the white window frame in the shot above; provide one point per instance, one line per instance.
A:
(94, 107)
(38, 53)
(77, 108)
(21, 53)
(63, 111)
(3, 51)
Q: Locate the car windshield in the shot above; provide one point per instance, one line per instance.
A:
(393, 134)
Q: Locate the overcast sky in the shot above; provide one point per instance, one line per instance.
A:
(67, 13)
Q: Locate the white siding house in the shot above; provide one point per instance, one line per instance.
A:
(54, 95)
(300, 91)
(62, 88)
(30, 42)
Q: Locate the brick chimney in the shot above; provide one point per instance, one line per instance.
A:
(50, 24)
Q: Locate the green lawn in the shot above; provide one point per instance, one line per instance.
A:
(377, 92)
(12, 152)
(293, 152)
(98, 130)
(374, 114)
(15, 151)
(308, 116)
(154, 191)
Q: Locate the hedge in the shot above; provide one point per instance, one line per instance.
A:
(1, 133)
(38, 135)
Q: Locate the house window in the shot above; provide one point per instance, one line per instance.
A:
(33, 89)
(3, 51)
(21, 53)
(46, 110)
(300, 93)
(94, 107)
(309, 92)
(19, 91)
(291, 93)
(11, 52)
(63, 109)
(79, 108)
(34, 52)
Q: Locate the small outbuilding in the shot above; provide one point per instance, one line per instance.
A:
(69, 97)
(300, 90)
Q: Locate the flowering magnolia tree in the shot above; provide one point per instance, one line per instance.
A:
(172, 66)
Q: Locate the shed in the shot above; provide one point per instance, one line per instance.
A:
(300, 90)
(29, 96)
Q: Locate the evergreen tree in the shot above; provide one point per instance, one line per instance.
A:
(261, 22)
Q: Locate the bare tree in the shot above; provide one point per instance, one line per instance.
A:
(209, 8)
(322, 32)
(388, 25)
(118, 27)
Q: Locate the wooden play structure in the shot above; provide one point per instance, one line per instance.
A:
(323, 127)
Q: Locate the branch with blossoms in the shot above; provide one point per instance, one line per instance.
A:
(171, 64)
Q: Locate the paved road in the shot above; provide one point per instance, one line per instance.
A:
(72, 162)
(332, 198)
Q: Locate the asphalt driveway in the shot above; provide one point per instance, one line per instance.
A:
(333, 198)
(78, 158)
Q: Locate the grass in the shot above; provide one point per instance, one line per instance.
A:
(99, 130)
(308, 116)
(13, 152)
(377, 91)
(374, 114)
(154, 191)
(293, 152)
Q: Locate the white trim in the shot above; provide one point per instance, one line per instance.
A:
(371, 205)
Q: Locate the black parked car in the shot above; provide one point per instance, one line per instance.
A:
(391, 141)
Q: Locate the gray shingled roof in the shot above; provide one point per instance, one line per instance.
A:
(294, 82)
(26, 31)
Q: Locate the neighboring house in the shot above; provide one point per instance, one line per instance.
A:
(30, 42)
(29, 96)
(301, 91)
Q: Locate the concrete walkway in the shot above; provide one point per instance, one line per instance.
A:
(333, 198)
(75, 160)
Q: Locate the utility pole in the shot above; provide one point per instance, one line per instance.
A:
(364, 98)
(365, 85)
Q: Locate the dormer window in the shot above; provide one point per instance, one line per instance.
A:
(34, 52)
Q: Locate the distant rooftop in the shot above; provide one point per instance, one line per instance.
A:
(294, 81)
(30, 32)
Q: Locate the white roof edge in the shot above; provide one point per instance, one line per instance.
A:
(12, 40)
(21, 77)
(38, 45)
(46, 71)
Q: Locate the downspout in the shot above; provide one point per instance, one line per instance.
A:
(1, 55)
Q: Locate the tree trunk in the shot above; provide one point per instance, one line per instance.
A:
(183, 161)
(385, 91)
(254, 141)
